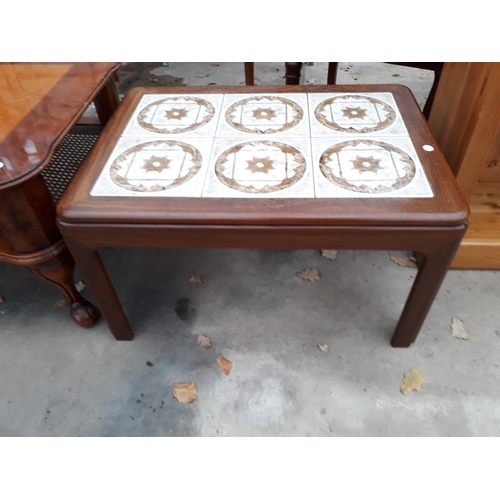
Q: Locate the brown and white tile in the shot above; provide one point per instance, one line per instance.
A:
(166, 167)
(264, 115)
(260, 168)
(344, 115)
(170, 115)
(368, 167)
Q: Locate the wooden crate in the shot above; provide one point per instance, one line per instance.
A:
(465, 119)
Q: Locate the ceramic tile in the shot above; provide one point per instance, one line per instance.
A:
(344, 115)
(269, 115)
(262, 168)
(170, 115)
(162, 167)
(368, 167)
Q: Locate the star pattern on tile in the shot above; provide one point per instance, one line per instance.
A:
(354, 112)
(260, 165)
(264, 114)
(156, 164)
(176, 113)
(366, 164)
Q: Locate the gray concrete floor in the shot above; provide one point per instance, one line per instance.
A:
(59, 380)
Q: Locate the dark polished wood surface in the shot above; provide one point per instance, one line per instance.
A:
(39, 103)
(447, 207)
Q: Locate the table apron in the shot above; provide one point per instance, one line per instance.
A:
(421, 239)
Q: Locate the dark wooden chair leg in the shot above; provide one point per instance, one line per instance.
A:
(90, 264)
(107, 101)
(430, 99)
(429, 278)
(27, 222)
(332, 73)
(292, 72)
(249, 73)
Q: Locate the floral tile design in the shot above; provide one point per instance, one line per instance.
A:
(354, 113)
(159, 167)
(269, 115)
(170, 115)
(315, 145)
(362, 167)
(262, 168)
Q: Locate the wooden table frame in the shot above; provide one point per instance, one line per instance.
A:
(432, 227)
(28, 233)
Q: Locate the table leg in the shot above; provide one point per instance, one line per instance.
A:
(97, 279)
(28, 223)
(292, 71)
(432, 270)
(107, 101)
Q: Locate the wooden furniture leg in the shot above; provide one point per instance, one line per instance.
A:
(107, 101)
(100, 285)
(249, 73)
(432, 271)
(28, 223)
(292, 72)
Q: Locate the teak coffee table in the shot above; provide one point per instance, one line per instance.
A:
(289, 167)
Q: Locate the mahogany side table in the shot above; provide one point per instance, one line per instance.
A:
(39, 104)
(289, 167)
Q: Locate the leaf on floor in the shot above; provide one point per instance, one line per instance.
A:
(199, 75)
(282, 76)
(80, 286)
(396, 75)
(185, 392)
(60, 303)
(214, 64)
(329, 254)
(310, 81)
(458, 330)
(310, 273)
(323, 347)
(412, 381)
(225, 364)
(204, 341)
(196, 280)
(2, 299)
(345, 66)
(355, 76)
(404, 261)
(257, 78)
(154, 80)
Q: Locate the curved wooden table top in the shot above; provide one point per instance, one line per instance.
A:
(39, 103)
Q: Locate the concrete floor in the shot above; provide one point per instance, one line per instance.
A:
(59, 380)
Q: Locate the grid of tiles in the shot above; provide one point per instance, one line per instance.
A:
(298, 145)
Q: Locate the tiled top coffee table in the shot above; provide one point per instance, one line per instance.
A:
(267, 167)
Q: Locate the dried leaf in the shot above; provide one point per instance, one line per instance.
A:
(225, 364)
(214, 64)
(196, 279)
(80, 286)
(345, 66)
(311, 81)
(412, 381)
(396, 75)
(282, 76)
(154, 80)
(329, 254)
(2, 299)
(355, 76)
(148, 363)
(404, 261)
(458, 330)
(323, 347)
(204, 341)
(310, 273)
(185, 392)
(199, 75)
(257, 78)
(60, 303)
